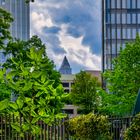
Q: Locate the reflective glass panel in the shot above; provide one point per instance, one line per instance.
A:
(123, 18)
(134, 18)
(128, 18)
(118, 18)
(113, 3)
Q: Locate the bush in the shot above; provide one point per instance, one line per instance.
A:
(89, 127)
(133, 132)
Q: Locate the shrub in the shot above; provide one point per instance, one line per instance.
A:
(89, 127)
(133, 132)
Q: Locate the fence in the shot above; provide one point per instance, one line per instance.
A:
(54, 132)
(57, 132)
(118, 127)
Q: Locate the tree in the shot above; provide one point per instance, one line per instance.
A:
(5, 36)
(5, 21)
(84, 92)
(35, 82)
(124, 79)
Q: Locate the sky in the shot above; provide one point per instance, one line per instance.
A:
(69, 28)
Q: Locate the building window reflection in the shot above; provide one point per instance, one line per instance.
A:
(134, 18)
(129, 18)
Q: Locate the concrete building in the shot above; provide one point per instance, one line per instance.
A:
(67, 80)
(96, 73)
(120, 24)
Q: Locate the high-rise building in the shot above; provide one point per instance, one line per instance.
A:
(20, 27)
(20, 11)
(120, 24)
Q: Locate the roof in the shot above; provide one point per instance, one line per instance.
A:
(67, 77)
(65, 67)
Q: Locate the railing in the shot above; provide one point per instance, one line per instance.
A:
(54, 132)
(118, 126)
(57, 132)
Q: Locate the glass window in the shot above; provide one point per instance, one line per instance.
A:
(128, 18)
(118, 4)
(133, 4)
(65, 84)
(134, 18)
(108, 18)
(108, 4)
(124, 18)
(113, 48)
(118, 33)
(124, 33)
(113, 33)
(123, 3)
(112, 18)
(108, 48)
(108, 33)
(138, 18)
(118, 18)
(128, 3)
(139, 31)
(113, 3)
(118, 47)
(138, 3)
(129, 33)
(133, 33)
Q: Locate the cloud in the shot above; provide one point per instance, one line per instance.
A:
(71, 28)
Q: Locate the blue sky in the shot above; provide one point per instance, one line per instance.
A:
(71, 28)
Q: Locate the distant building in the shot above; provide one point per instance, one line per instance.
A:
(67, 80)
(95, 73)
(65, 67)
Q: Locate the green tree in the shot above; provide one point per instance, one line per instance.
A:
(84, 92)
(33, 79)
(5, 21)
(5, 36)
(124, 79)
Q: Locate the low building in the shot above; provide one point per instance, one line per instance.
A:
(67, 80)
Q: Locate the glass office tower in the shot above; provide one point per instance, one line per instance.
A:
(20, 27)
(120, 24)
(20, 11)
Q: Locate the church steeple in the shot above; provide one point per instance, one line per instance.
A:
(65, 67)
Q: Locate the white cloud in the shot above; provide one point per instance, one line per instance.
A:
(80, 55)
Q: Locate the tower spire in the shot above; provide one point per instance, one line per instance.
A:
(65, 67)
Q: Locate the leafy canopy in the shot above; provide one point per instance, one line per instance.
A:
(124, 80)
(84, 92)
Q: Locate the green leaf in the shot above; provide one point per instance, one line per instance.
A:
(13, 105)
(4, 104)
(36, 119)
(20, 102)
(16, 126)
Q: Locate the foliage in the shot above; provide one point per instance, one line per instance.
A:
(5, 20)
(89, 127)
(84, 92)
(114, 105)
(124, 79)
(35, 82)
(133, 132)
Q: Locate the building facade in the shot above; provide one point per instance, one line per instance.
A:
(20, 11)
(120, 24)
(20, 27)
